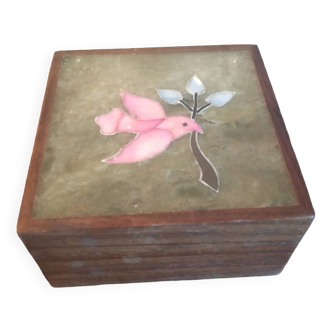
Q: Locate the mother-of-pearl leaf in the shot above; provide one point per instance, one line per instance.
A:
(220, 98)
(195, 85)
(170, 96)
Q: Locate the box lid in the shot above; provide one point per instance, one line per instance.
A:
(154, 136)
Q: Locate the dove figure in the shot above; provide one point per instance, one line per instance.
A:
(154, 130)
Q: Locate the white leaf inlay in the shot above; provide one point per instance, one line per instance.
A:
(195, 85)
(170, 96)
(220, 98)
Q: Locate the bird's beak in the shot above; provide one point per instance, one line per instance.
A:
(198, 128)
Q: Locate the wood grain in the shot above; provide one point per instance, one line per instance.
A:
(164, 246)
(169, 252)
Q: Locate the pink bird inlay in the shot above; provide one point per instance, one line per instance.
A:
(154, 130)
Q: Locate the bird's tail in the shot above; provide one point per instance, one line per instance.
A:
(109, 123)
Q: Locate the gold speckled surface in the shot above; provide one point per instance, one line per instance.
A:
(238, 138)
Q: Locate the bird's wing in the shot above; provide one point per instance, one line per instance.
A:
(143, 146)
(143, 108)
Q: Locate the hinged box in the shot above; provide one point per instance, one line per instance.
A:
(161, 164)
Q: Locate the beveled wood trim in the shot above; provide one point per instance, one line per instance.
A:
(282, 134)
(148, 50)
(164, 218)
(36, 161)
(27, 224)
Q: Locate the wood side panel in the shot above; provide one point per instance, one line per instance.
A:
(215, 267)
(170, 234)
(168, 252)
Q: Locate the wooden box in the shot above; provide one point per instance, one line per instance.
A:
(161, 164)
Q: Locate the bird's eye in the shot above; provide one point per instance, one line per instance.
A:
(185, 124)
